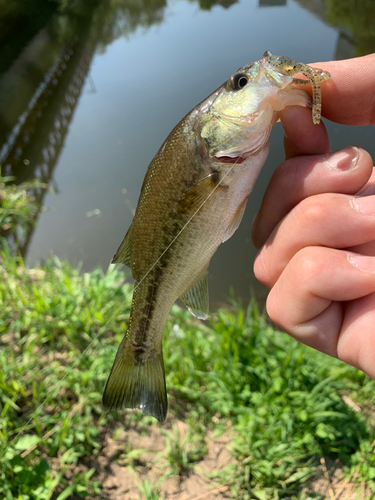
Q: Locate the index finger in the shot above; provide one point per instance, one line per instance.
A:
(348, 97)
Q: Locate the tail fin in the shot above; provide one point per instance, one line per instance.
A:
(137, 385)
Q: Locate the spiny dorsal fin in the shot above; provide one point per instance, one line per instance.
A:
(141, 385)
(195, 197)
(236, 221)
(123, 254)
(196, 298)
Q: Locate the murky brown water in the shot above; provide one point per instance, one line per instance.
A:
(87, 97)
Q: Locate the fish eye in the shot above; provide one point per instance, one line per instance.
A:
(238, 81)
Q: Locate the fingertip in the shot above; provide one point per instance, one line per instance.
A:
(302, 136)
(347, 97)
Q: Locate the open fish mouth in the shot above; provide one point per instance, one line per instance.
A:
(231, 159)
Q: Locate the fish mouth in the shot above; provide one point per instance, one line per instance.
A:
(237, 160)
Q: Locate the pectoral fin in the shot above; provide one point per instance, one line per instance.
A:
(236, 221)
(195, 197)
(196, 298)
(123, 254)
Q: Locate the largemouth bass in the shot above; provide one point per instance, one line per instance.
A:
(192, 199)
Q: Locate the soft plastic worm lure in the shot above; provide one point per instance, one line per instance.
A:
(314, 77)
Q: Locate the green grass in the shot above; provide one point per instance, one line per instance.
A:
(281, 401)
(17, 209)
(147, 490)
(182, 452)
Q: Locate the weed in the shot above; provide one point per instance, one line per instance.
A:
(18, 209)
(182, 451)
(147, 490)
(128, 456)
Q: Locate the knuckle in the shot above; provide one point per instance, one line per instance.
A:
(312, 211)
(308, 263)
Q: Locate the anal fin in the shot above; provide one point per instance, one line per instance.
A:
(196, 298)
(141, 385)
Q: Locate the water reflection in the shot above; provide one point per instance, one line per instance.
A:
(208, 4)
(151, 61)
(354, 20)
(118, 18)
(32, 16)
(272, 3)
(358, 18)
(40, 90)
(38, 95)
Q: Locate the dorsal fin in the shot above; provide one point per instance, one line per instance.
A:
(196, 298)
(123, 254)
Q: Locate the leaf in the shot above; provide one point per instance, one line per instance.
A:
(301, 474)
(262, 495)
(27, 441)
(67, 492)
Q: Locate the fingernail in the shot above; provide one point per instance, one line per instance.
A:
(345, 159)
(364, 204)
(362, 262)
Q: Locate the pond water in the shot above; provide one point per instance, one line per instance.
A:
(87, 96)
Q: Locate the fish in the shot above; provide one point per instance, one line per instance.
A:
(192, 199)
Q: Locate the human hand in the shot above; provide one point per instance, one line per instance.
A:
(316, 225)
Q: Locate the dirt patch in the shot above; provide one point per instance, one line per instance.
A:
(331, 482)
(134, 456)
(143, 452)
